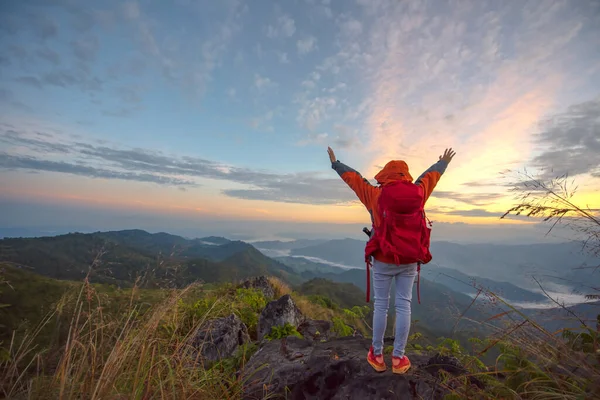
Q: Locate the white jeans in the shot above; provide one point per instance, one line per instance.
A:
(382, 282)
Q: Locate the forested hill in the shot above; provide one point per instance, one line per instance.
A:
(122, 257)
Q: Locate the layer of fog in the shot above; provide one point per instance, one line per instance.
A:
(286, 253)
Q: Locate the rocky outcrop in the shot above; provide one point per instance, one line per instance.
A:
(294, 368)
(218, 339)
(278, 313)
(316, 330)
(261, 283)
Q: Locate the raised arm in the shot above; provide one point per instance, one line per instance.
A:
(431, 177)
(363, 189)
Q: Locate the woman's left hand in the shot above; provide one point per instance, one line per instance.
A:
(331, 155)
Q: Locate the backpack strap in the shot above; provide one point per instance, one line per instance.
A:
(418, 282)
(369, 265)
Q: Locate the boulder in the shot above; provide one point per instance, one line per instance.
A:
(294, 368)
(278, 313)
(261, 283)
(218, 339)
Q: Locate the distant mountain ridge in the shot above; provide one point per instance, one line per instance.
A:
(514, 264)
(467, 284)
(122, 257)
(289, 245)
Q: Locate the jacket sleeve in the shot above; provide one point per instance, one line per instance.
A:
(363, 189)
(431, 177)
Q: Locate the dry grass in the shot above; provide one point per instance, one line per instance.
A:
(281, 288)
(312, 310)
(533, 362)
(131, 355)
(308, 308)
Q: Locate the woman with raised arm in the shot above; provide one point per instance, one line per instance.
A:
(399, 244)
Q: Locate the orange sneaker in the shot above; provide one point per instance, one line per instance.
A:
(400, 365)
(377, 362)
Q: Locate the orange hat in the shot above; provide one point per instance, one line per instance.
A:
(394, 170)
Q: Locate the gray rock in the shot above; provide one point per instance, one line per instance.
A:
(316, 329)
(218, 339)
(261, 283)
(278, 313)
(294, 368)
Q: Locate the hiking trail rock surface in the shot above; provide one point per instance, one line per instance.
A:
(278, 313)
(219, 338)
(294, 368)
(318, 330)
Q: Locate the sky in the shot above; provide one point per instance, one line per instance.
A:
(215, 116)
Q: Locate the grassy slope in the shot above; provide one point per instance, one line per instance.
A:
(346, 295)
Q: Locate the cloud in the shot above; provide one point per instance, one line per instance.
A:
(188, 66)
(306, 45)
(29, 80)
(75, 77)
(8, 99)
(131, 10)
(285, 27)
(475, 212)
(79, 77)
(321, 8)
(97, 161)
(123, 112)
(44, 27)
(262, 82)
(495, 70)
(129, 94)
(314, 110)
(343, 137)
(283, 58)
(49, 55)
(17, 53)
(9, 162)
(34, 144)
(263, 122)
(310, 194)
(570, 141)
(85, 49)
(350, 27)
(309, 84)
(478, 199)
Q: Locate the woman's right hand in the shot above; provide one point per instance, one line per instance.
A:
(448, 155)
(331, 155)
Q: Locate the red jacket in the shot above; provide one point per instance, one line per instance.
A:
(394, 170)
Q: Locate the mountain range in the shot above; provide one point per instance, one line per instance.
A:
(124, 257)
(318, 267)
(508, 267)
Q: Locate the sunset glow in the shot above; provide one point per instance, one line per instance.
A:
(224, 110)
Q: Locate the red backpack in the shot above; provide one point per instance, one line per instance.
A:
(404, 231)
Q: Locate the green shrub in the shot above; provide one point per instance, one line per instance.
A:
(340, 328)
(323, 301)
(280, 332)
(251, 298)
(240, 358)
(248, 305)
